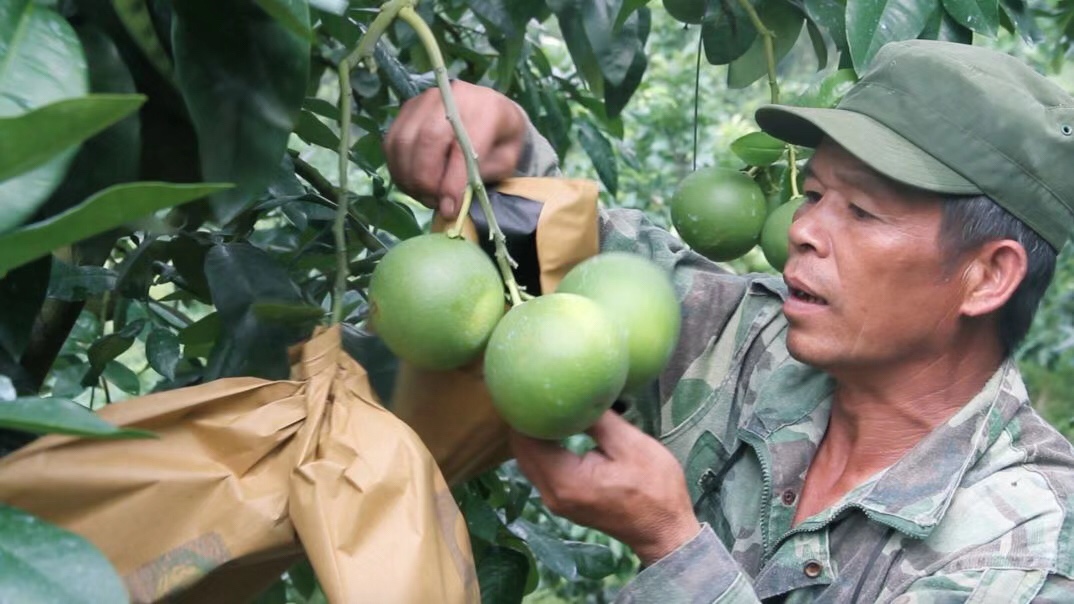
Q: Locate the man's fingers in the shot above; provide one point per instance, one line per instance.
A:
(616, 436)
(452, 183)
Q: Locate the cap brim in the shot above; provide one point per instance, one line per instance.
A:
(867, 139)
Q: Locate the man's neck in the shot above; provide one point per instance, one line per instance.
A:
(878, 416)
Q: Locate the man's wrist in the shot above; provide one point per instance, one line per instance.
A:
(668, 539)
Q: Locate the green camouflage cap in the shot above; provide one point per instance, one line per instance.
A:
(956, 119)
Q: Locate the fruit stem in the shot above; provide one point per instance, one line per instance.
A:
(404, 9)
(767, 36)
(339, 227)
(792, 165)
(464, 211)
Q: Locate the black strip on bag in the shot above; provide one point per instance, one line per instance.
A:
(517, 218)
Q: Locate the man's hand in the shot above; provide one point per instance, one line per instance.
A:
(630, 486)
(424, 158)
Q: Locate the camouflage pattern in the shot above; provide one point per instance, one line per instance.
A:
(979, 511)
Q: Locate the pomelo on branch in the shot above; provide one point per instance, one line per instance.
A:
(554, 364)
(719, 212)
(638, 296)
(774, 237)
(435, 300)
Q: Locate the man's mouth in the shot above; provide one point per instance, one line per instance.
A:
(801, 294)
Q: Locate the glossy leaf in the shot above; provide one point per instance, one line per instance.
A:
(820, 45)
(502, 573)
(108, 348)
(108, 209)
(122, 377)
(758, 148)
(785, 21)
(616, 96)
(292, 15)
(726, 33)
(563, 557)
(113, 155)
(386, 214)
(600, 152)
(58, 416)
(981, 16)
(614, 47)
(316, 132)
(162, 352)
(135, 16)
(40, 562)
(241, 275)
(31, 139)
(243, 76)
(831, 17)
(41, 62)
(873, 23)
(942, 26)
(574, 35)
(198, 337)
(72, 283)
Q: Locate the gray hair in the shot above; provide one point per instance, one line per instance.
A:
(971, 221)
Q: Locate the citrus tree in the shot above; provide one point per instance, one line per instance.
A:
(188, 188)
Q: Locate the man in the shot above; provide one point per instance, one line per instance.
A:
(858, 431)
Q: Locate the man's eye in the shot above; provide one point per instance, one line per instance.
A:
(811, 196)
(859, 213)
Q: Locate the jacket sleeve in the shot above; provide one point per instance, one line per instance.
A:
(538, 158)
(701, 571)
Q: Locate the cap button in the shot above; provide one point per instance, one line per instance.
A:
(788, 497)
(812, 569)
(1066, 130)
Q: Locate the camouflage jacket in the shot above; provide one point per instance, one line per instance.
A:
(978, 511)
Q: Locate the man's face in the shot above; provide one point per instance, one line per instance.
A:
(869, 286)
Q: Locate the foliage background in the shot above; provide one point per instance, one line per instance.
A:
(141, 298)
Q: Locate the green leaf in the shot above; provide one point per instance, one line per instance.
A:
(198, 337)
(600, 153)
(758, 149)
(873, 23)
(502, 573)
(243, 77)
(108, 348)
(785, 21)
(388, 215)
(107, 209)
(614, 47)
(31, 139)
(830, 17)
(72, 283)
(574, 35)
(981, 16)
(113, 155)
(820, 46)
(287, 313)
(58, 416)
(162, 351)
(40, 562)
(726, 33)
(134, 14)
(292, 15)
(616, 96)
(239, 276)
(41, 62)
(942, 26)
(316, 132)
(119, 374)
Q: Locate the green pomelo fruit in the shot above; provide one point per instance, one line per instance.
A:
(435, 300)
(639, 297)
(774, 237)
(687, 11)
(719, 212)
(554, 364)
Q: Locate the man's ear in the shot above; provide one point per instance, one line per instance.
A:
(994, 272)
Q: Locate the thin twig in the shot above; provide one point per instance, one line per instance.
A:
(767, 36)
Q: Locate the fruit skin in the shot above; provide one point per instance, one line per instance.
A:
(639, 297)
(686, 11)
(774, 241)
(435, 300)
(554, 364)
(719, 212)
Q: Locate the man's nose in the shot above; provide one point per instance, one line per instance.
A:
(808, 231)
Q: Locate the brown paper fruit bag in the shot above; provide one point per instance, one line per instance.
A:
(244, 475)
(551, 225)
